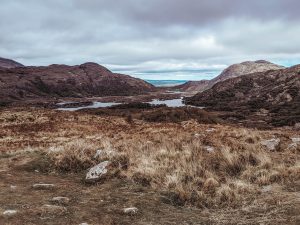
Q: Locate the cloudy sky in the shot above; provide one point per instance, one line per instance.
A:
(151, 39)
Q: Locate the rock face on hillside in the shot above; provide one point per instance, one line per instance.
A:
(232, 71)
(275, 93)
(192, 86)
(86, 80)
(8, 63)
(244, 68)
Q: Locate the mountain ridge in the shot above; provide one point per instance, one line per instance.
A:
(85, 80)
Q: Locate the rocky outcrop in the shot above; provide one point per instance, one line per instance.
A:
(8, 63)
(244, 68)
(56, 81)
(235, 70)
(275, 92)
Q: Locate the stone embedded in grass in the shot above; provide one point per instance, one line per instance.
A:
(131, 210)
(209, 148)
(210, 130)
(296, 140)
(9, 212)
(98, 153)
(97, 171)
(60, 200)
(43, 186)
(271, 144)
(53, 210)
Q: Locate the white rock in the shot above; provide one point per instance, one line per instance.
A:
(60, 200)
(132, 210)
(209, 148)
(43, 186)
(296, 140)
(210, 130)
(98, 153)
(97, 171)
(10, 212)
(13, 187)
(84, 224)
(267, 188)
(271, 144)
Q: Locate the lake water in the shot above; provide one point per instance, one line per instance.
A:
(170, 103)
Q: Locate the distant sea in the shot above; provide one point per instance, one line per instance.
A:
(166, 83)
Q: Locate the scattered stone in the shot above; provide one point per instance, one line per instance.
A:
(271, 144)
(292, 146)
(267, 188)
(53, 210)
(97, 171)
(98, 154)
(131, 211)
(210, 130)
(60, 200)
(209, 148)
(13, 187)
(43, 186)
(10, 212)
(296, 140)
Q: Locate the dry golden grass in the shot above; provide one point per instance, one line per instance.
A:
(193, 164)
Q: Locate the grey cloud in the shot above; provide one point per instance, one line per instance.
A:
(183, 37)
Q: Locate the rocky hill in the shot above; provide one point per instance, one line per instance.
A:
(89, 79)
(8, 63)
(275, 93)
(192, 86)
(232, 71)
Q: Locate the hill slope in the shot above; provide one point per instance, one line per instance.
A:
(89, 79)
(192, 86)
(232, 71)
(8, 63)
(275, 92)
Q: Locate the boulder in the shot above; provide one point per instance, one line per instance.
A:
(131, 210)
(271, 144)
(9, 213)
(98, 171)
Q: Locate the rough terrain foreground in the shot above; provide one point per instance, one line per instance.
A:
(161, 173)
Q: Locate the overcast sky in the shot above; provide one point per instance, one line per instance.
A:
(151, 39)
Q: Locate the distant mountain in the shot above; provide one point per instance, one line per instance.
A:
(274, 92)
(86, 80)
(8, 63)
(232, 71)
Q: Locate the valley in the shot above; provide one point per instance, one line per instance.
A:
(83, 145)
